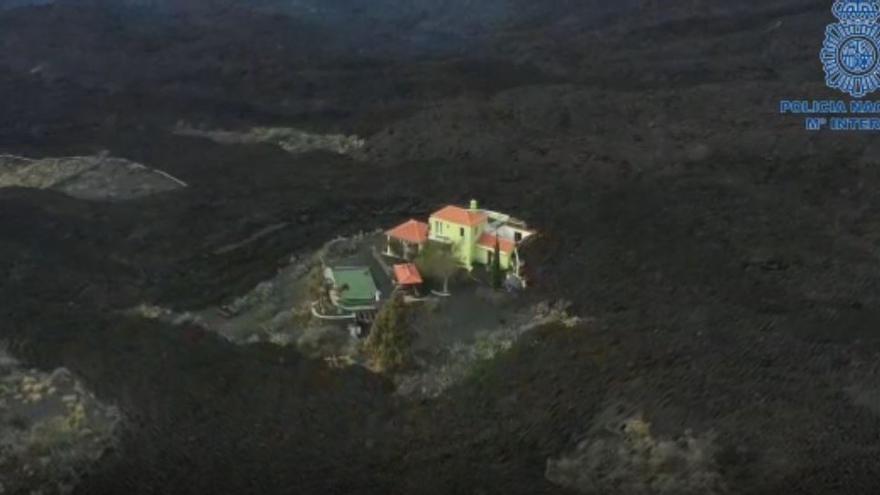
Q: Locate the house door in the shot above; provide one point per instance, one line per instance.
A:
(491, 258)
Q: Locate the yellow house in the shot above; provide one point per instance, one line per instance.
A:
(473, 233)
(460, 228)
(485, 251)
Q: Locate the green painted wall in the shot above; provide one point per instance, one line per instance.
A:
(464, 242)
(463, 238)
(482, 257)
(506, 262)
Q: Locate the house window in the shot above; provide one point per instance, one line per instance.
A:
(461, 231)
(517, 236)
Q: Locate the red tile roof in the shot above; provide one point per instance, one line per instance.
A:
(460, 216)
(411, 231)
(488, 241)
(407, 274)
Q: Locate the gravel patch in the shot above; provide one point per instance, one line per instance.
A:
(52, 429)
(453, 362)
(293, 141)
(622, 455)
(87, 177)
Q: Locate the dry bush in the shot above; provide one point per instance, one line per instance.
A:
(52, 430)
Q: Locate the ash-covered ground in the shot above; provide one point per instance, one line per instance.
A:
(722, 262)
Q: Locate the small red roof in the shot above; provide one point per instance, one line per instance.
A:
(488, 241)
(411, 231)
(460, 216)
(407, 274)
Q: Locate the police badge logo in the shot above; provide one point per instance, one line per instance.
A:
(851, 52)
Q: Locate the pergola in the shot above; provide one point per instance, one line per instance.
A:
(411, 235)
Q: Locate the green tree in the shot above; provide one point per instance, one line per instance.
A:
(437, 261)
(390, 342)
(497, 273)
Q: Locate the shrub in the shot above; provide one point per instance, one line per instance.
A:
(497, 274)
(390, 341)
(318, 286)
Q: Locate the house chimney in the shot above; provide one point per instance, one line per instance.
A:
(474, 204)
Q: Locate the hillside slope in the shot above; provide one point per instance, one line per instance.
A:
(724, 261)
